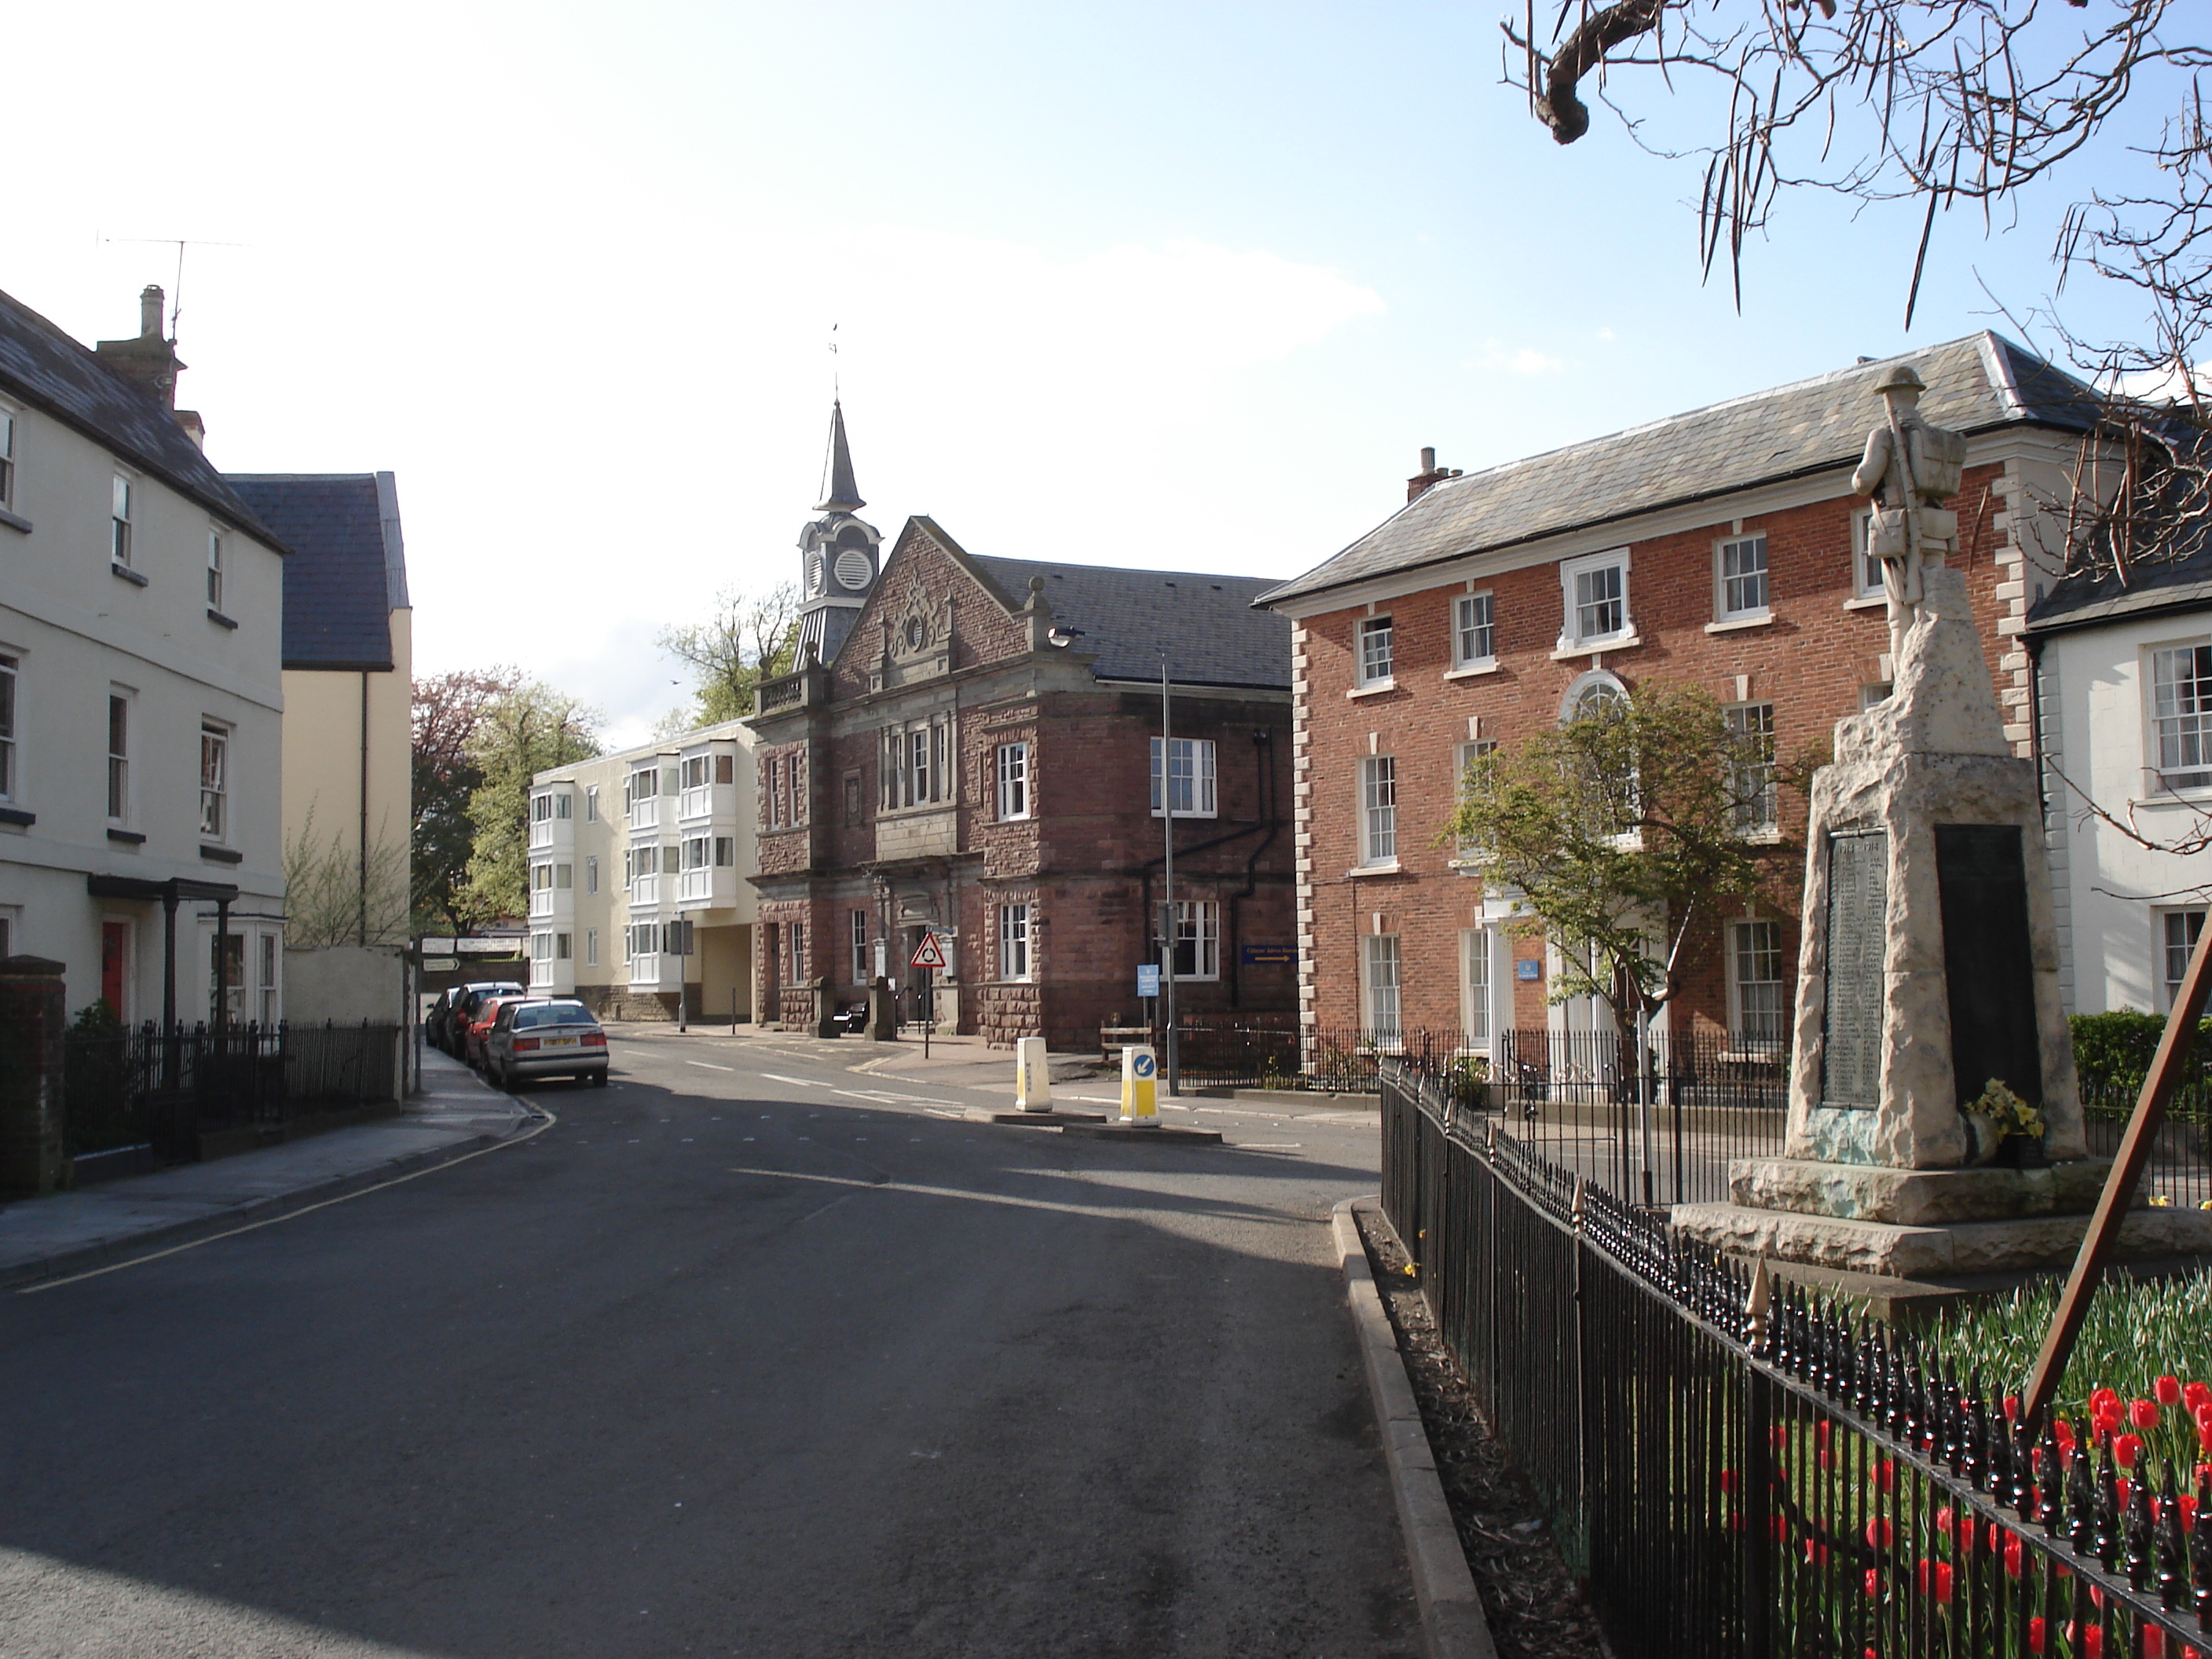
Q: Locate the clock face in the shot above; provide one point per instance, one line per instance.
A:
(854, 569)
(814, 569)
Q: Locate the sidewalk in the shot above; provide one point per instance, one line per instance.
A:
(66, 1233)
(952, 1059)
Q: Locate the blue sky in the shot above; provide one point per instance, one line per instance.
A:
(1177, 286)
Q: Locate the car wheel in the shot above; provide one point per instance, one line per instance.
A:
(598, 1079)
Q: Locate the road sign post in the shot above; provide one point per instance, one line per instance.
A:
(929, 956)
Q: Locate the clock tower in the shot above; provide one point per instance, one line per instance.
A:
(839, 554)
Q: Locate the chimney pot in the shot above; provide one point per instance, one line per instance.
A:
(149, 311)
(1428, 459)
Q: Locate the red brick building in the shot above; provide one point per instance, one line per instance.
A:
(980, 757)
(1721, 549)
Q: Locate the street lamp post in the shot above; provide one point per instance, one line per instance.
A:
(1172, 1068)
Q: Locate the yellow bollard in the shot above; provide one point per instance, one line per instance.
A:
(1032, 1076)
(1139, 1083)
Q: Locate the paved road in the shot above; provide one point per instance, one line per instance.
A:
(779, 1359)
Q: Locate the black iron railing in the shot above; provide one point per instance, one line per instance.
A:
(1759, 1483)
(146, 1087)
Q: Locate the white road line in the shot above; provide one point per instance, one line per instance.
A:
(802, 1082)
(1005, 1199)
(709, 1065)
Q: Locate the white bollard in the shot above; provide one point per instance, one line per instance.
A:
(1140, 1070)
(1032, 1076)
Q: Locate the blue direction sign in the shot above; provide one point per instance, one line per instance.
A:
(1148, 979)
(1144, 1065)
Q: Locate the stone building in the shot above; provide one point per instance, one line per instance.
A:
(975, 750)
(1721, 549)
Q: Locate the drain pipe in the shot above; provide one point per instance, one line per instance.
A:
(1263, 743)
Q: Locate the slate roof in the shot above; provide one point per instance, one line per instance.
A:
(1206, 624)
(46, 369)
(1978, 384)
(344, 577)
(2178, 584)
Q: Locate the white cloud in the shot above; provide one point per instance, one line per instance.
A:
(1521, 360)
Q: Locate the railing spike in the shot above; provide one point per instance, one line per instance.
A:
(2172, 1552)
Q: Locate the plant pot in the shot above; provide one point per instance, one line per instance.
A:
(2020, 1152)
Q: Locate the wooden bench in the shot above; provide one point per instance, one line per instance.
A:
(1112, 1039)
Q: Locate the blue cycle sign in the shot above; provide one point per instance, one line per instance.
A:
(1148, 979)
(1143, 1065)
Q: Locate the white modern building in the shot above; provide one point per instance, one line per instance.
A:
(141, 687)
(2123, 679)
(624, 848)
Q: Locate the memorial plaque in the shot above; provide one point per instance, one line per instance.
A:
(1858, 944)
(1987, 969)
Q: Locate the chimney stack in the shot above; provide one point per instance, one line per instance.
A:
(1429, 476)
(149, 361)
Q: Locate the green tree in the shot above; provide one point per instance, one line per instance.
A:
(334, 896)
(749, 637)
(521, 732)
(448, 709)
(1627, 831)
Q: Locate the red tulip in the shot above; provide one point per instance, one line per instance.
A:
(1884, 1473)
(2126, 1449)
(1729, 1478)
(2105, 1419)
(2123, 1489)
(2093, 1641)
(1879, 1534)
(2153, 1643)
(2144, 1414)
(2188, 1512)
(2063, 1432)
(2012, 1408)
(1824, 1458)
(1821, 1431)
(1779, 1435)
(2035, 1459)
(1779, 1527)
(1937, 1579)
(2099, 1398)
(1873, 1582)
(1816, 1555)
(2168, 1390)
(2036, 1635)
(2201, 1413)
(2015, 1554)
(1943, 1521)
(2195, 1395)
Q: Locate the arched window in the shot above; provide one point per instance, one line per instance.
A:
(1608, 753)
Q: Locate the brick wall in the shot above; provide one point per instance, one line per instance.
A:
(1810, 660)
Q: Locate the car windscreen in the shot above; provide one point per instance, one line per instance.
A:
(552, 1013)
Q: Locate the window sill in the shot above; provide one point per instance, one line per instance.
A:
(1866, 602)
(1373, 689)
(1592, 647)
(127, 573)
(1487, 665)
(1203, 817)
(221, 854)
(1736, 624)
(1769, 836)
(219, 619)
(15, 522)
(127, 837)
(16, 817)
(1389, 867)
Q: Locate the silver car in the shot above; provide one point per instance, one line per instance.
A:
(545, 1037)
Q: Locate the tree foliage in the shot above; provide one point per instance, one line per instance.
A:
(748, 638)
(521, 732)
(334, 895)
(1626, 831)
(446, 712)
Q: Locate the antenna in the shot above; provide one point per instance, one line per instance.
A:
(181, 243)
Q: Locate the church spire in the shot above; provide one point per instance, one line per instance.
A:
(840, 493)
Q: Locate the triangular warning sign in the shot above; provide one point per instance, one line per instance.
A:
(930, 954)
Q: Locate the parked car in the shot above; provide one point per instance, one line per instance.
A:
(450, 1032)
(476, 1025)
(544, 1036)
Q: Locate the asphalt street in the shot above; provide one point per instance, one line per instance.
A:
(751, 1352)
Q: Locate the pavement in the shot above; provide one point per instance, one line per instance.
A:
(768, 1348)
(66, 1233)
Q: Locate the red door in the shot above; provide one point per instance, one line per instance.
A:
(114, 948)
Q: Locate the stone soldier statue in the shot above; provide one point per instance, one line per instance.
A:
(1910, 469)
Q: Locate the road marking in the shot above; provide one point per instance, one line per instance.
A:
(1272, 1146)
(709, 1065)
(802, 1082)
(305, 1209)
(1004, 1198)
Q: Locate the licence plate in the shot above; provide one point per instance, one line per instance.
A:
(560, 1042)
